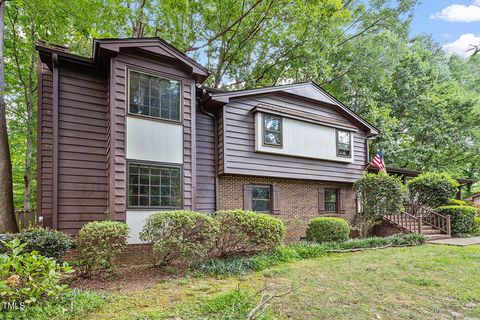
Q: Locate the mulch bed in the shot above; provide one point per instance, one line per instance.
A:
(125, 278)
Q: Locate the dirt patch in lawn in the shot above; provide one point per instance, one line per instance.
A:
(126, 278)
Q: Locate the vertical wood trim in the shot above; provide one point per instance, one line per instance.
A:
(193, 130)
(321, 200)
(216, 169)
(247, 197)
(276, 199)
(112, 140)
(341, 201)
(224, 133)
(39, 137)
(55, 142)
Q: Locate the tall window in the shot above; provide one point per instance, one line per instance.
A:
(153, 96)
(261, 198)
(272, 130)
(154, 186)
(331, 200)
(344, 143)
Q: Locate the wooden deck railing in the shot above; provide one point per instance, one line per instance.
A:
(430, 217)
(407, 221)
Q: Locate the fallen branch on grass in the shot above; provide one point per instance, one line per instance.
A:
(374, 248)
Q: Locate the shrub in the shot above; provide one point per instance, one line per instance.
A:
(99, 241)
(28, 276)
(327, 230)
(242, 230)
(476, 230)
(456, 202)
(432, 189)
(47, 242)
(379, 194)
(462, 218)
(184, 235)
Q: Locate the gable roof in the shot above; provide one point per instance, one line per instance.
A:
(103, 48)
(309, 90)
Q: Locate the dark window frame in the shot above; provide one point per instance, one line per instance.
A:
(265, 130)
(269, 200)
(336, 203)
(159, 76)
(160, 165)
(337, 143)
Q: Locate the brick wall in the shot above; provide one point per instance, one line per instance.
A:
(133, 254)
(298, 200)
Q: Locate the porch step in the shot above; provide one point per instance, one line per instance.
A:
(430, 237)
(430, 231)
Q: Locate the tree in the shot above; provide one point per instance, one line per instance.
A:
(7, 214)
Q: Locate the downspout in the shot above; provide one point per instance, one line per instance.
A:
(55, 142)
(205, 97)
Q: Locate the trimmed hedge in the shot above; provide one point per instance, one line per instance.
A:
(47, 242)
(327, 229)
(99, 241)
(432, 189)
(462, 218)
(185, 236)
(476, 230)
(242, 231)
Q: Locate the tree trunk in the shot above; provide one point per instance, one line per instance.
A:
(7, 213)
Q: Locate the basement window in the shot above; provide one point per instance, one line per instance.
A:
(154, 186)
(153, 96)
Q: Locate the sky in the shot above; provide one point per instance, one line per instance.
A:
(454, 23)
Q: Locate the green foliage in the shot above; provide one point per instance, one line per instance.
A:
(47, 242)
(327, 230)
(476, 230)
(71, 304)
(456, 202)
(185, 236)
(462, 218)
(99, 241)
(432, 189)
(29, 277)
(242, 231)
(379, 194)
(299, 251)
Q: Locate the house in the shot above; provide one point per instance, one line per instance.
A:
(475, 199)
(131, 131)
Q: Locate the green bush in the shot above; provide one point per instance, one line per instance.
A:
(98, 242)
(476, 230)
(462, 218)
(28, 276)
(47, 242)
(432, 189)
(327, 230)
(379, 194)
(242, 231)
(186, 236)
(456, 202)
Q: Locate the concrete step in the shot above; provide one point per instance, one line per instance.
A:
(431, 237)
(431, 231)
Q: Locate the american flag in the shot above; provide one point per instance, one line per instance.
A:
(378, 161)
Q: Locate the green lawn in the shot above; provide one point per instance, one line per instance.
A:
(424, 282)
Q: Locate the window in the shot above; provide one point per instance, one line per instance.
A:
(272, 130)
(344, 143)
(154, 186)
(331, 200)
(261, 198)
(154, 97)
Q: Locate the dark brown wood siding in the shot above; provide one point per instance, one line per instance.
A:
(205, 191)
(239, 139)
(82, 147)
(139, 61)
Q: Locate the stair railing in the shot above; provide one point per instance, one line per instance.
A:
(407, 221)
(430, 217)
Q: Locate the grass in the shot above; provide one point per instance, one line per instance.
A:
(299, 251)
(423, 282)
(73, 305)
